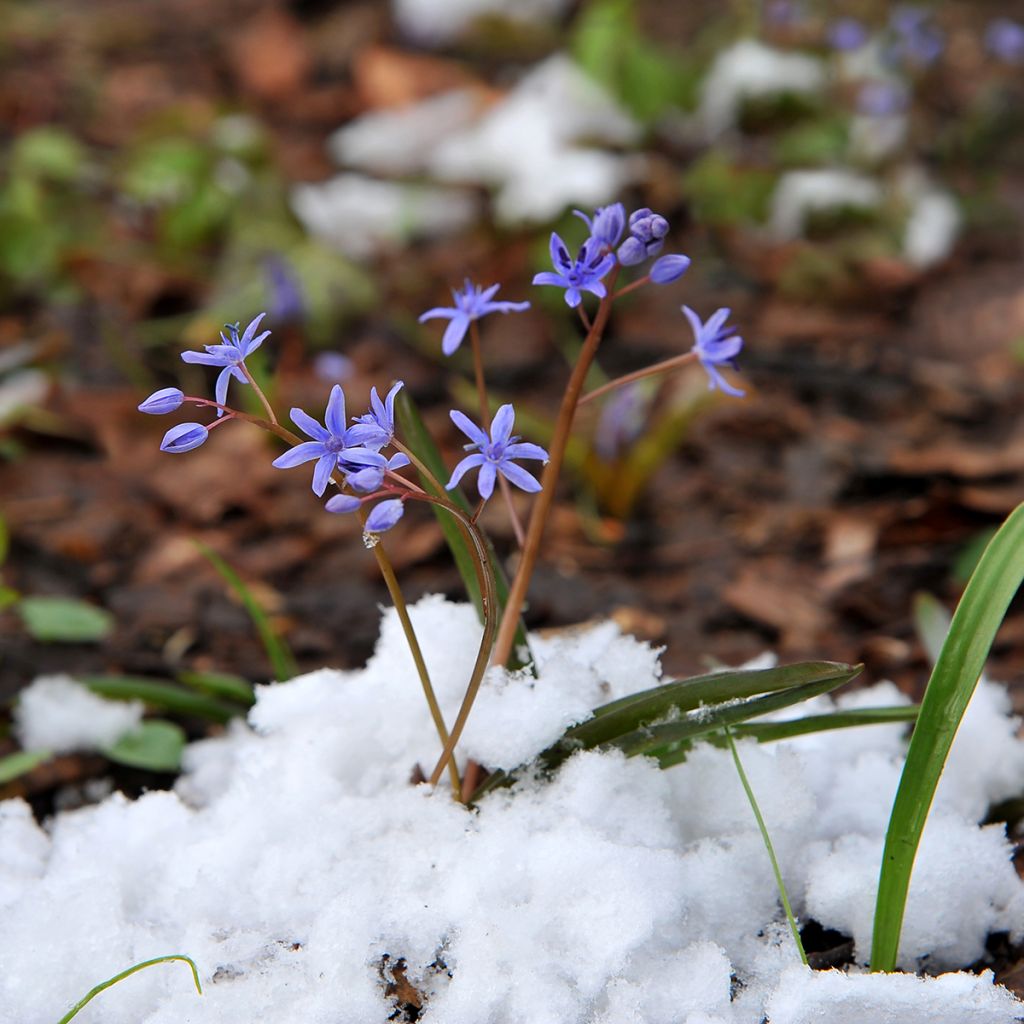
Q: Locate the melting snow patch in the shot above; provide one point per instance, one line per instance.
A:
(297, 865)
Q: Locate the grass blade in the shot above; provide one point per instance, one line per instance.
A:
(160, 694)
(277, 649)
(220, 684)
(21, 763)
(989, 591)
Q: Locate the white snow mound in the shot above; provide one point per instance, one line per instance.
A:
(297, 865)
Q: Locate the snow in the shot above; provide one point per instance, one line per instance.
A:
(56, 713)
(750, 70)
(294, 857)
(800, 193)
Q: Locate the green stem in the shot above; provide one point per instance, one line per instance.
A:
(103, 986)
(549, 481)
(768, 845)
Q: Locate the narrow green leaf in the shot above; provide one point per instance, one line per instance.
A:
(769, 732)
(417, 437)
(220, 684)
(104, 985)
(155, 746)
(278, 652)
(992, 585)
(161, 694)
(64, 620)
(21, 763)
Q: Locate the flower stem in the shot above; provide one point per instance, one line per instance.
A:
(768, 846)
(549, 480)
(632, 286)
(259, 392)
(391, 582)
(648, 371)
(478, 370)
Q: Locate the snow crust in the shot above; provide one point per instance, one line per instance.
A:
(294, 857)
(56, 713)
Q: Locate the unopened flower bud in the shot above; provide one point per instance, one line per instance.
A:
(669, 268)
(184, 437)
(163, 401)
(342, 503)
(385, 515)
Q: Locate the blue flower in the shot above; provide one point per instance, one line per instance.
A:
(376, 428)
(647, 233)
(494, 454)
(582, 274)
(184, 437)
(163, 401)
(331, 446)
(715, 345)
(1004, 39)
(607, 224)
(369, 478)
(231, 355)
(917, 39)
(471, 303)
(847, 34)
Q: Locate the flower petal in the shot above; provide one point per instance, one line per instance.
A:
(469, 428)
(220, 389)
(322, 471)
(485, 481)
(518, 476)
(184, 437)
(468, 463)
(501, 425)
(203, 358)
(251, 330)
(301, 453)
(454, 333)
(526, 450)
(444, 312)
(549, 277)
(335, 415)
(309, 426)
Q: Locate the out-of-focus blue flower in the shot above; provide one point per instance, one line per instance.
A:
(495, 453)
(1004, 39)
(647, 233)
(784, 12)
(163, 401)
(287, 303)
(879, 98)
(184, 437)
(607, 224)
(471, 303)
(621, 422)
(331, 446)
(382, 516)
(231, 355)
(917, 39)
(582, 274)
(715, 345)
(376, 428)
(667, 269)
(333, 367)
(847, 34)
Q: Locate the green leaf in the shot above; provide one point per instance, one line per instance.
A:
(992, 585)
(278, 651)
(49, 152)
(418, 438)
(64, 620)
(21, 763)
(155, 746)
(220, 684)
(657, 720)
(8, 596)
(161, 694)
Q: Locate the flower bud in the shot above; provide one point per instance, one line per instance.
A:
(385, 515)
(669, 268)
(342, 503)
(163, 401)
(184, 437)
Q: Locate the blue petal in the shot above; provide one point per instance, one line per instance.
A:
(220, 390)
(485, 481)
(322, 471)
(385, 515)
(204, 358)
(335, 415)
(501, 425)
(309, 426)
(183, 438)
(301, 453)
(525, 450)
(468, 463)
(469, 428)
(517, 475)
(454, 333)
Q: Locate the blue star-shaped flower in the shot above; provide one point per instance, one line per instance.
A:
(471, 303)
(715, 345)
(494, 453)
(582, 274)
(231, 355)
(376, 428)
(332, 446)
